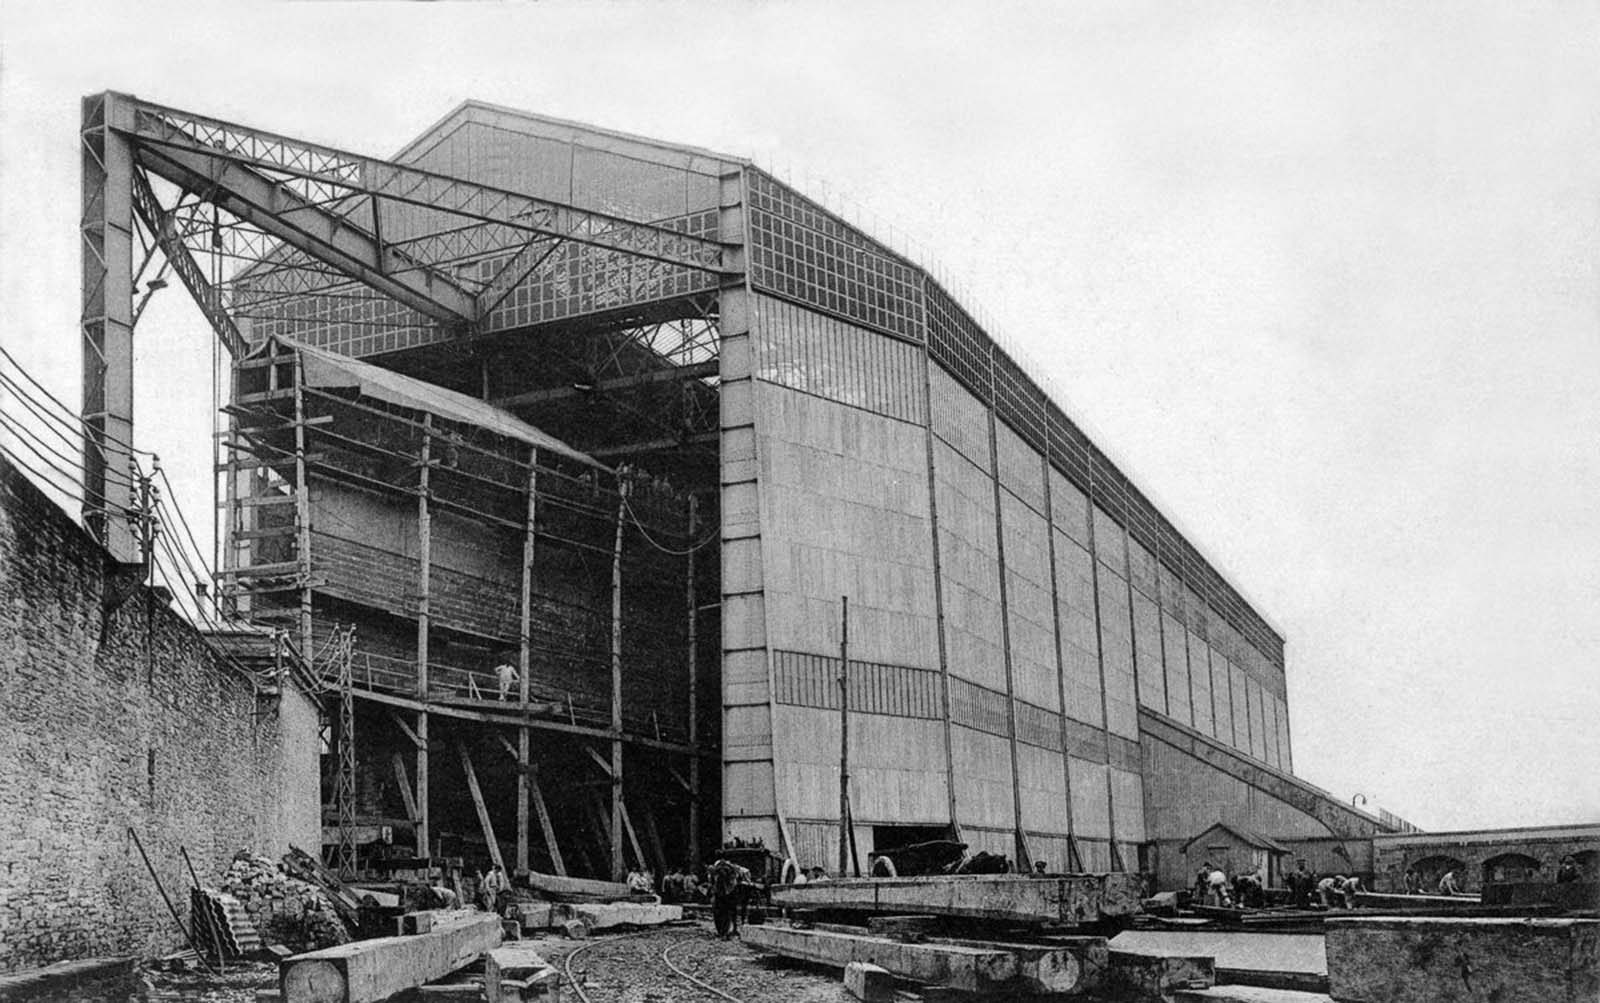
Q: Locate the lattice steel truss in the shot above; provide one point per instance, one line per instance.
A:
(345, 788)
(276, 235)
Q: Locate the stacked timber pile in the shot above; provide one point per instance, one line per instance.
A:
(285, 909)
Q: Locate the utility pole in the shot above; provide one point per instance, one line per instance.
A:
(846, 837)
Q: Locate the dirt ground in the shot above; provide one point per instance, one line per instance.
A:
(609, 968)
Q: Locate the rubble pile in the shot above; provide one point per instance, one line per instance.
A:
(287, 910)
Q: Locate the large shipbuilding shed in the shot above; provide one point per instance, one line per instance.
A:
(1039, 662)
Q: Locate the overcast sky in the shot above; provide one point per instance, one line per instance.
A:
(1324, 277)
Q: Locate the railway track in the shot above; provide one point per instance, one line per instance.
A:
(632, 970)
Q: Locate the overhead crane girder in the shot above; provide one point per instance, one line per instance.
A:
(315, 201)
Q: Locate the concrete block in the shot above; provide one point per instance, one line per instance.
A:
(1247, 994)
(510, 971)
(902, 927)
(575, 929)
(1157, 977)
(988, 968)
(370, 970)
(1073, 898)
(1450, 959)
(554, 885)
(866, 981)
(414, 923)
(534, 915)
(615, 914)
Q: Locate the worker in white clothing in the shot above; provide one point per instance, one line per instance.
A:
(505, 674)
(1217, 886)
(491, 887)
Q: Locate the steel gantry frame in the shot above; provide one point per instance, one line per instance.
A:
(298, 219)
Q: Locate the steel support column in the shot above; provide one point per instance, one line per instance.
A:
(106, 326)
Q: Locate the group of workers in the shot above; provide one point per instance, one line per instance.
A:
(1248, 889)
(1214, 887)
(724, 884)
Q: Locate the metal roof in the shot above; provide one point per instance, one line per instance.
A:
(1248, 836)
(324, 369)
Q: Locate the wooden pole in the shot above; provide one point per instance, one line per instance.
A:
(938, 590)
(523, 659)
(694, 699)
(205, 915)
(170, 907)
(618, 868)
(633, 838)
(410, 799)
(545, 826)
(424, 574)
(236, 512)
(844, 734)
(658, 853)
(302, 514)
(478, 803)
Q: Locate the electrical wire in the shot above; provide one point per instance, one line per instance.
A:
(68, 411)
(37, 476)
(628, 507)
(50, 421)
(54, 424)
(37, 444)
(183, 520)
(168, 574)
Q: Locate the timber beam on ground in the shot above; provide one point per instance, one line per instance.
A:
(517, 720)
(1073, 899)
(366, 971)
(992, 968)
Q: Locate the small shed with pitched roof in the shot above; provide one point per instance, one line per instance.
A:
(1236, 849)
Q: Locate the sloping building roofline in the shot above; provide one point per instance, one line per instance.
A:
(323, 368)
(1248, 836)
(683, 155)
(472, 110)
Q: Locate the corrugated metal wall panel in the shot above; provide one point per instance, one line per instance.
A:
(970, 570)
(1029, 603)
(1080, 641)
(983, 778)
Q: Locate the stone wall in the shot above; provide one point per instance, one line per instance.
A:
(119, 715)
(1428, 852)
